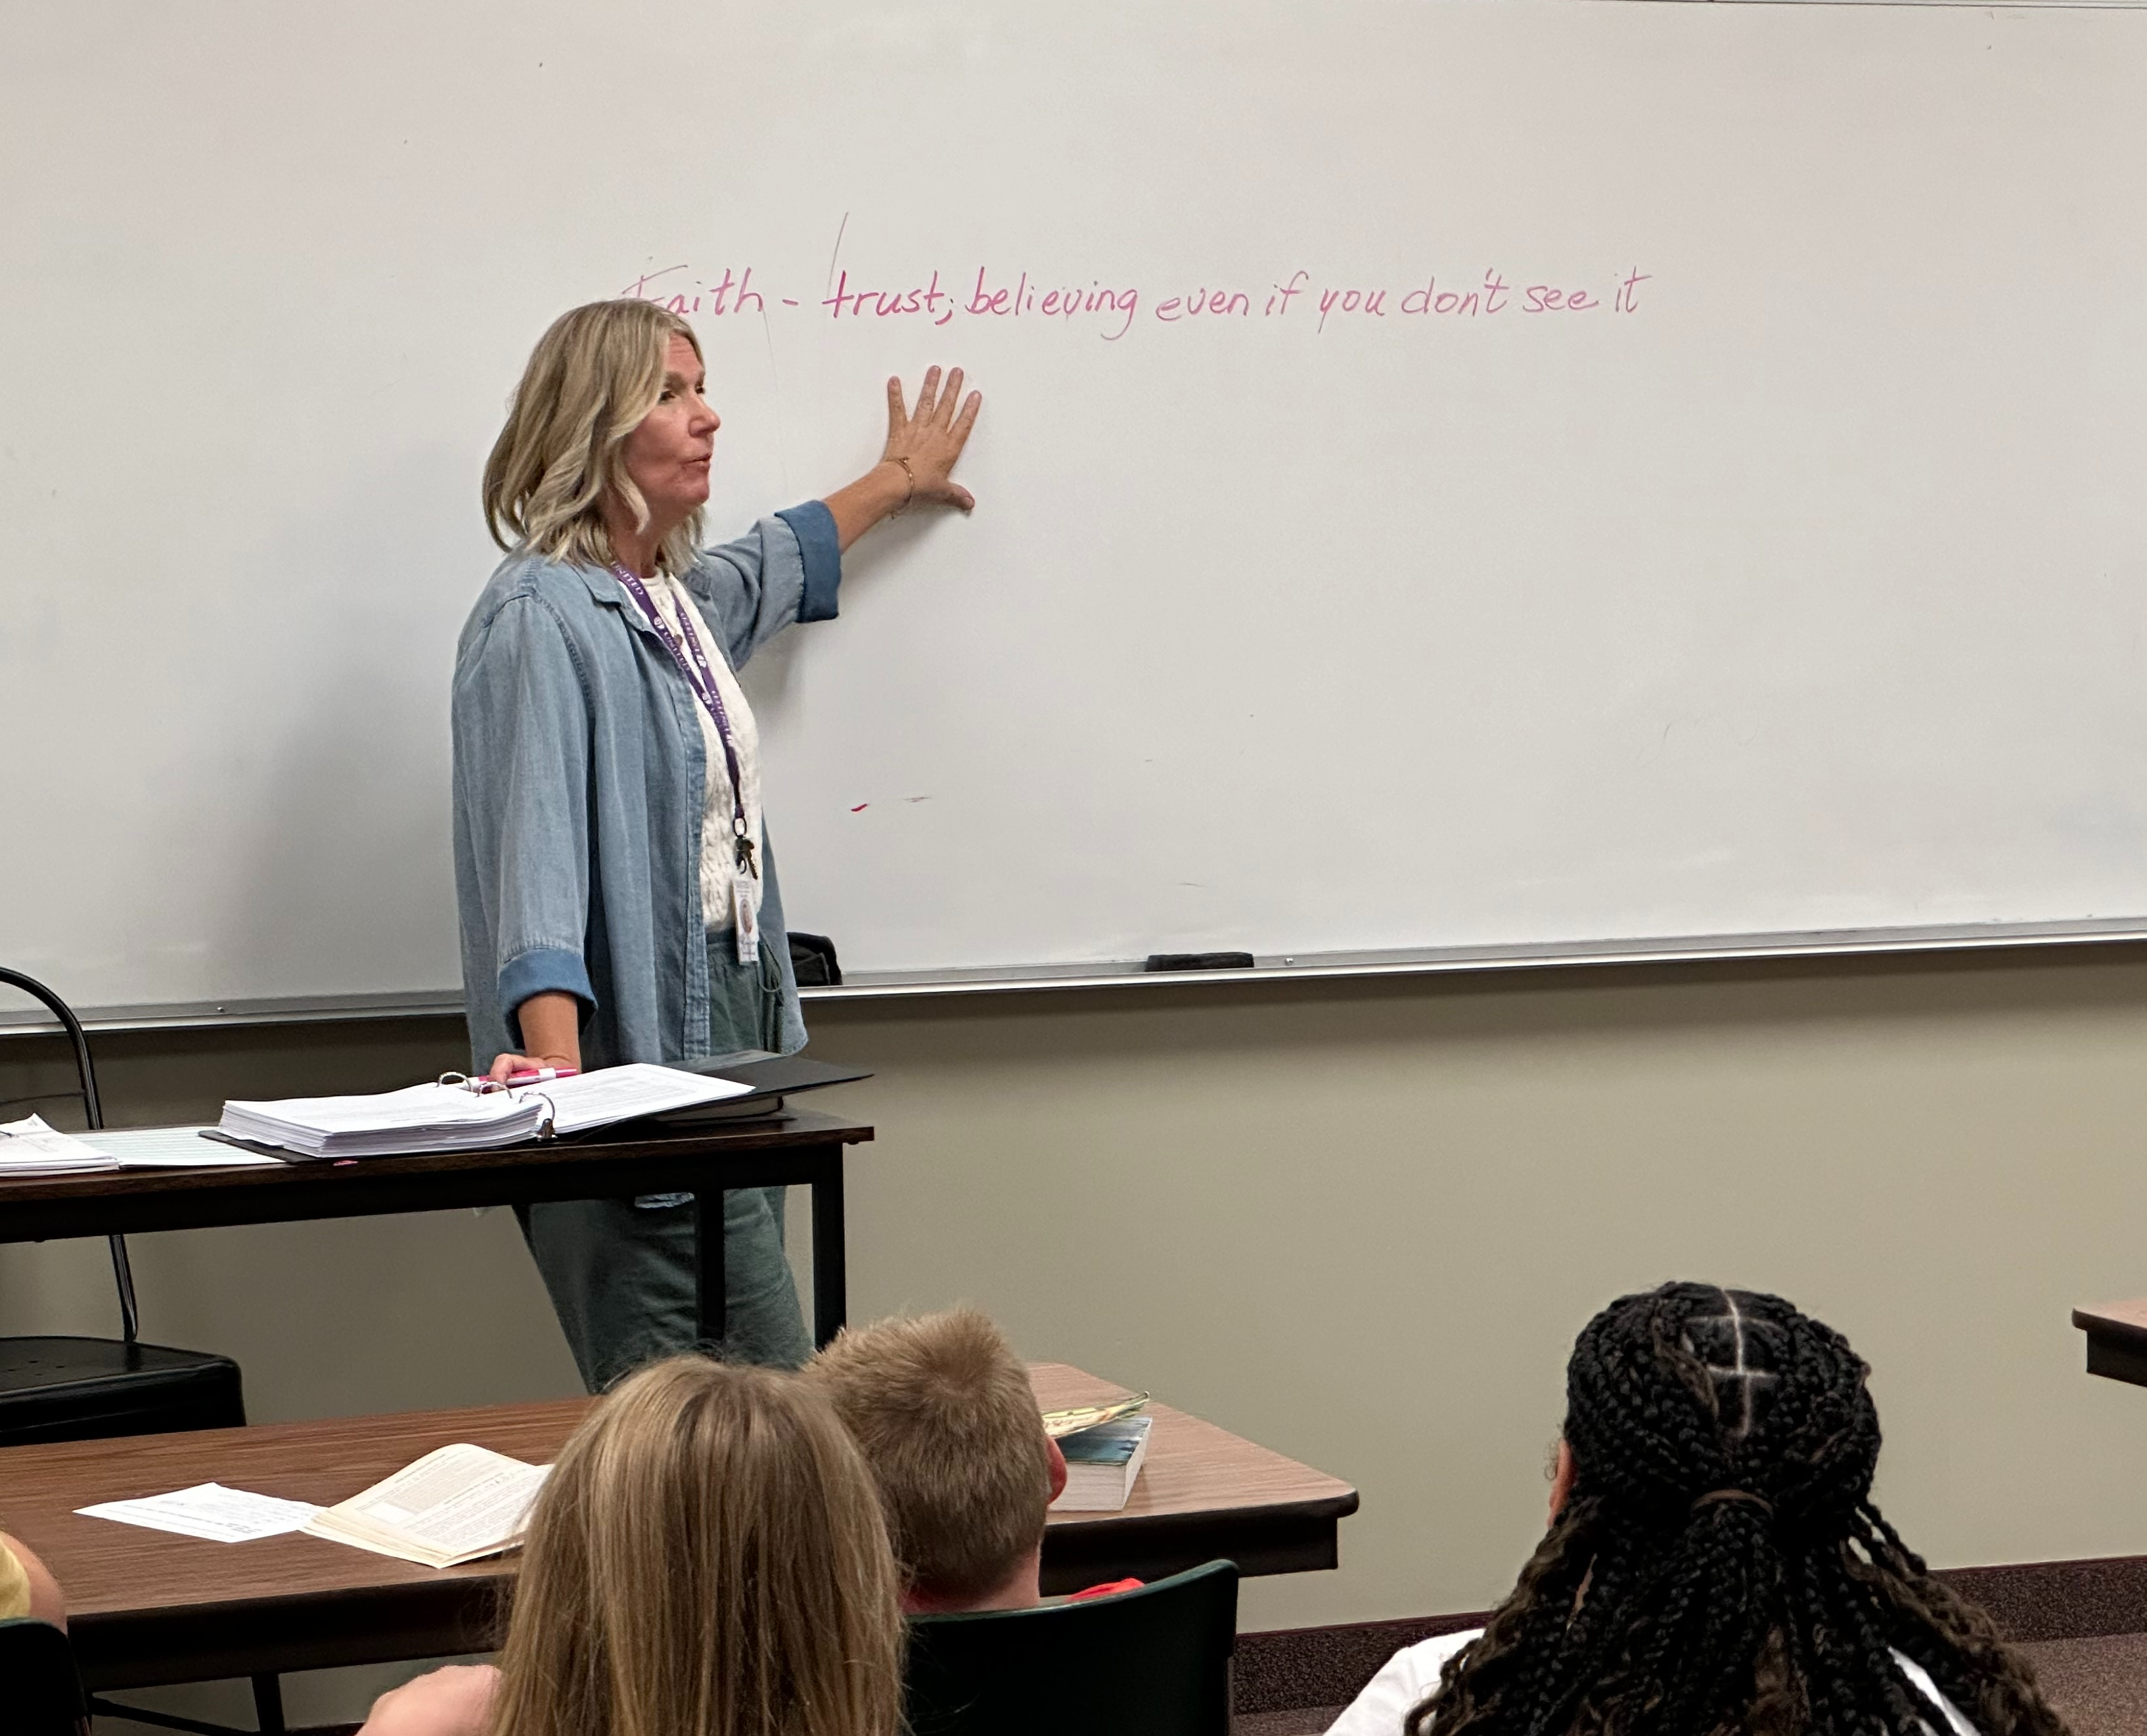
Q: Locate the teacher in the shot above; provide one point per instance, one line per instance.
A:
(615, 886)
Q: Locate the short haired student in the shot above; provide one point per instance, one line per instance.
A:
(943, 1411)
(616, 889)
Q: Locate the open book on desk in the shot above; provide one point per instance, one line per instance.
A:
(457, 1504)
(458, 1114)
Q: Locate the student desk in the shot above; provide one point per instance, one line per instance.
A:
(2116, 1339)
(802, 1148)
(146, 1607)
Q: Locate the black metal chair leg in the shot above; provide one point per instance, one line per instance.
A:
(123, 1275)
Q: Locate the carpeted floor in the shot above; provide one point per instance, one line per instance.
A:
(1309, 1722)
(2098, 1686)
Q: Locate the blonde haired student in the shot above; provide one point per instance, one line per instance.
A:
(707, 1559)
(947, 1421)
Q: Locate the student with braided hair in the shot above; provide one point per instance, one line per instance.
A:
(1714, 1565)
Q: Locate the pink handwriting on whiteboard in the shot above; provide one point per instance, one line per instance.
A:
(1021, 298)
(1109, 308)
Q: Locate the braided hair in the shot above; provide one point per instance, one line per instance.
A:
(1719, 1568)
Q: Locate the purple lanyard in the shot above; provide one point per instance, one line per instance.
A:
(694, 667)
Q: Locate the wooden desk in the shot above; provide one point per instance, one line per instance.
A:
(804, 1149)
(148, 1606)
(1204, 1494)
(2116, 1339)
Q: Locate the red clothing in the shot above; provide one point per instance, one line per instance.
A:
(1104, 1591)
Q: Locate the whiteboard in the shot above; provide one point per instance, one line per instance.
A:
(1790, 578)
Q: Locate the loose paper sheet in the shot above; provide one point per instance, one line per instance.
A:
(209, 1510)
(171, 1148)
(1060, 1423)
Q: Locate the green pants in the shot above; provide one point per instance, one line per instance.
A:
(622, 1278)
(621, 1272)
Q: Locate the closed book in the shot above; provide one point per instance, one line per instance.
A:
(1101, 1465)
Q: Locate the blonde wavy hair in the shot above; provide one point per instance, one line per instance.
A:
(706, 1559)
(593, 377)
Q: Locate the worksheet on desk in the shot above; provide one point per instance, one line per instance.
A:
(210, 1511)
(188, 1147)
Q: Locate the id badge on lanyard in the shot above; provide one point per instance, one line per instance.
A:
(693, 663)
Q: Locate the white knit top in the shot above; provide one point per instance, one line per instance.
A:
(724, 890)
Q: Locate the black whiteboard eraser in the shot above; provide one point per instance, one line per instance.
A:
(1199, 961)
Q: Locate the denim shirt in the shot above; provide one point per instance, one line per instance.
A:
(579, 780)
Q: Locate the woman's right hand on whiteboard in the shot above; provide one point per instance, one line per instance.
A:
(925, 443)
(917, 465)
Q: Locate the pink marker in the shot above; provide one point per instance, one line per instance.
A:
(543, 1074)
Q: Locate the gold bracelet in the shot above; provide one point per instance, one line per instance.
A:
(912, 477)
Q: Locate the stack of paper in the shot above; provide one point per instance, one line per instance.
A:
(458, 1117)
(627, 1092)
(423, 1117)
(33, 1147)
(457, 1504)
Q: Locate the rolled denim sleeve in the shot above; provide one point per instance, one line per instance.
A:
(788, 567)
(821, 550)
(522, 819)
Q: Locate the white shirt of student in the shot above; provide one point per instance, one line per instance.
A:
(1413, 1672)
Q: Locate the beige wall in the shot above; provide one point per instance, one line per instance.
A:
(1359, 1222)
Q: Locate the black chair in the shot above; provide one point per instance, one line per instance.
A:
(42, 1688)
(1154, 1662)
(56, 1389)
